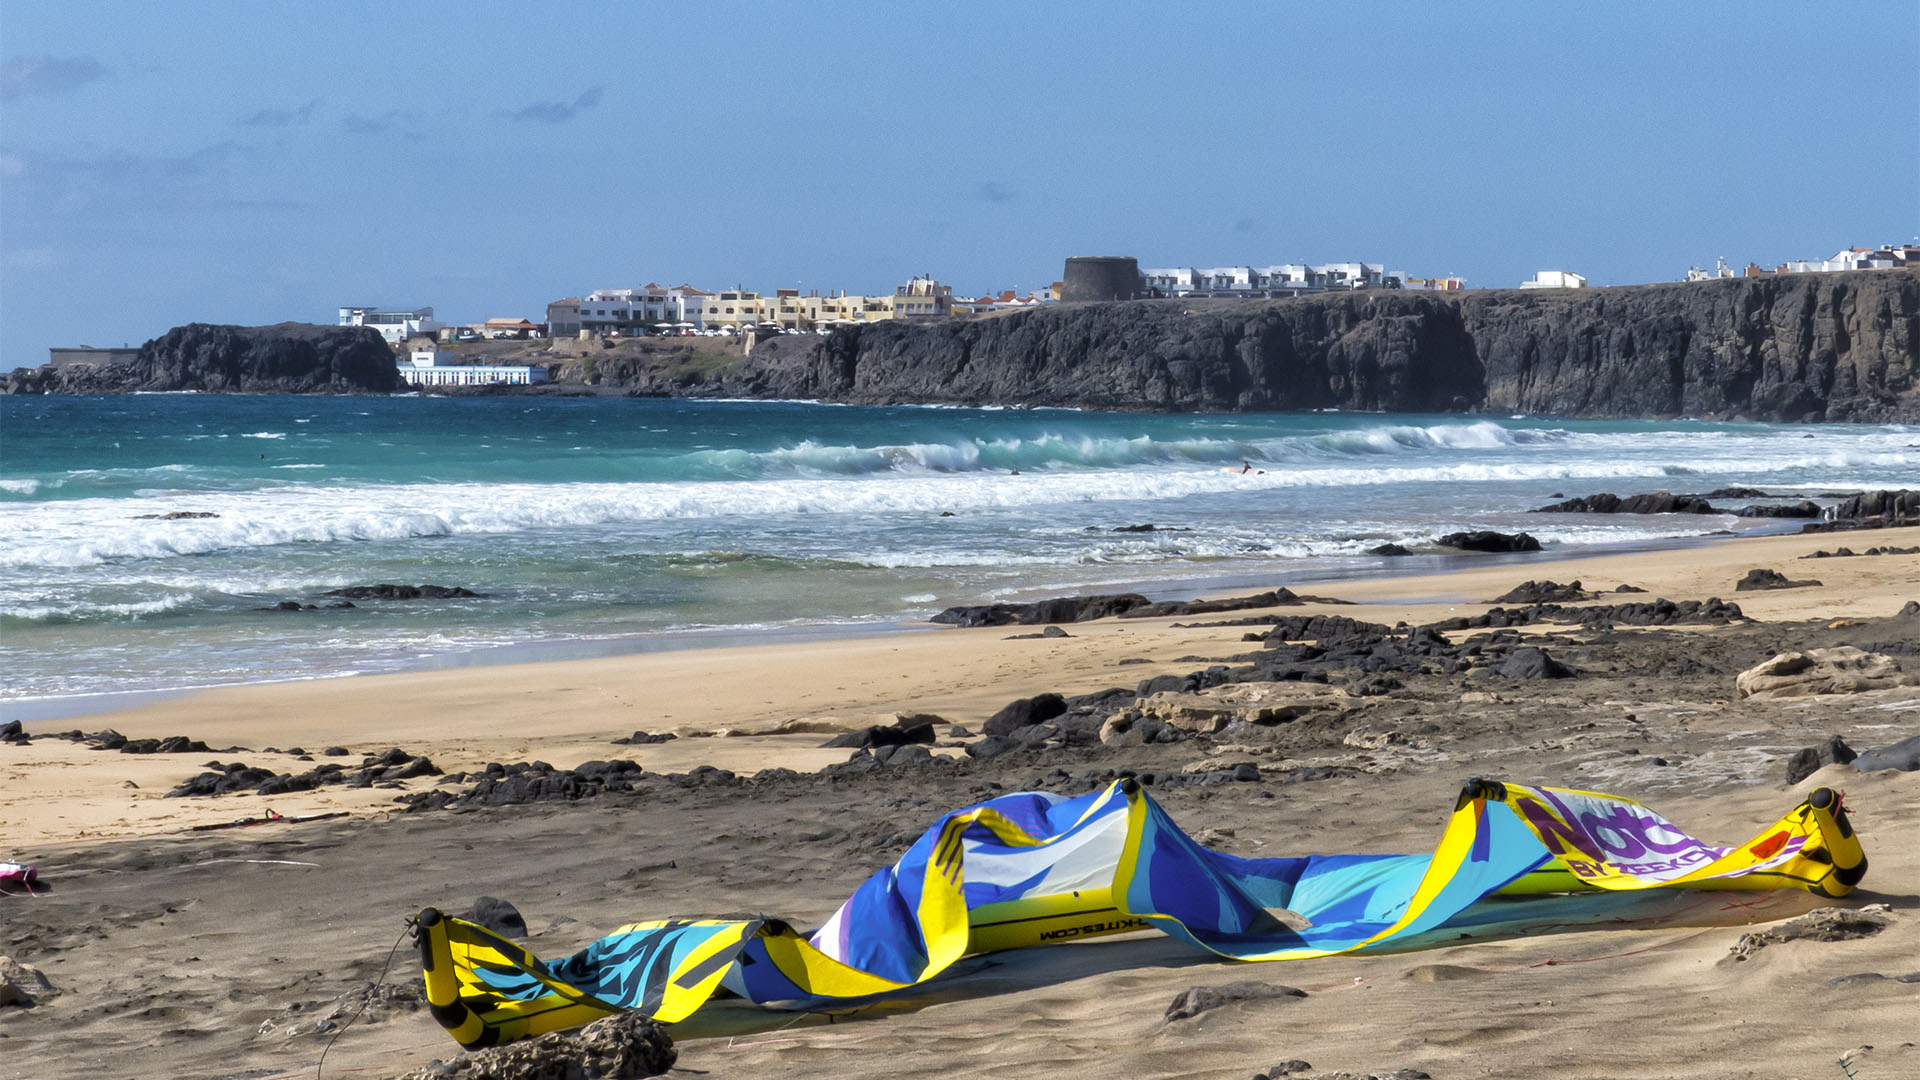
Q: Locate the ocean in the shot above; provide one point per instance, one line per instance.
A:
(593, 526)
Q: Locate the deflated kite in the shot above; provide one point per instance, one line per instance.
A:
(1034, 868)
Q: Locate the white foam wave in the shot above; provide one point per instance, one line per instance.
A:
(78, 611)
(20, 487)
(88, 531)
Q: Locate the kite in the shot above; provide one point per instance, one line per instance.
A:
(1034, 868)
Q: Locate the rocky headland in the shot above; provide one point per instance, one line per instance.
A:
(289, 358)
(1791, 348)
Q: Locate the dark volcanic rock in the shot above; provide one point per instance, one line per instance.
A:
(1388, 549)
(227, 779)
(1274, 598)
(1848, 553)
(1198, 999)
(883, 735)
(1542, 592)
(1803, 509)
(1024, 712)
(641, 738)
(290, 358)
(1872, 510)
(1661, 612)
(498, 916)
(1063, 609)
(1488, 540)
(1903, 756)
(1659, 502)
(1808, 760)
(403, 592)
(1533, 663)
(537, 781)
(992, 746)
(1760, 579)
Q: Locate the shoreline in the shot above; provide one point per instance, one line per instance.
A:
(48, 709)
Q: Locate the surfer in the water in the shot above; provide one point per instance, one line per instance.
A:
(1246, 466)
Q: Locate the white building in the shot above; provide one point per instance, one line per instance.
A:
(635, 311)
(1554, 279)
(423, 368)
(395, 326)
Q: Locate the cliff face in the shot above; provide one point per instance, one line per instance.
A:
(1808, 347)
(291, 358)
(1803, 347)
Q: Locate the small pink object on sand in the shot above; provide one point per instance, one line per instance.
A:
(15, 875)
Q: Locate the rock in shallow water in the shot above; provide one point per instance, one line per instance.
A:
(1488, 540)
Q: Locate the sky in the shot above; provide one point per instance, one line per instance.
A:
(259, 162)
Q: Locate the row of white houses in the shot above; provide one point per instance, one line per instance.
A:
(1286, 278)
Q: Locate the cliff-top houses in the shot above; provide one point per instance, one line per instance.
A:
(1288, 279)
(1885, 257)
(658, 309)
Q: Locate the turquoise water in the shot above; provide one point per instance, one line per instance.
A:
(611, 524)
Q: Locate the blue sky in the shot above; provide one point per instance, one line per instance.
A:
(258, 162)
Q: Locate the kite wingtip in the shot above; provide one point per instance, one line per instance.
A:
(1479, 788)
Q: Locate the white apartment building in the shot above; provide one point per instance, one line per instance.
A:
(1555, 279)
(630, 311)
(394, 325)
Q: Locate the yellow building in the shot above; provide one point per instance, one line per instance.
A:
(737, 309)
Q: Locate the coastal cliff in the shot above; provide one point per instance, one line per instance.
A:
(1808, 347)
(1788, 348)
(290, 358)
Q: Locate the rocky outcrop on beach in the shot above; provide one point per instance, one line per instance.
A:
(289, 358)
(236, 777)
(1805, 673)
(1760, 579)
(619, 1047)
(1488, 540)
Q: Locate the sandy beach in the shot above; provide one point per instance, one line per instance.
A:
(203, 954)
